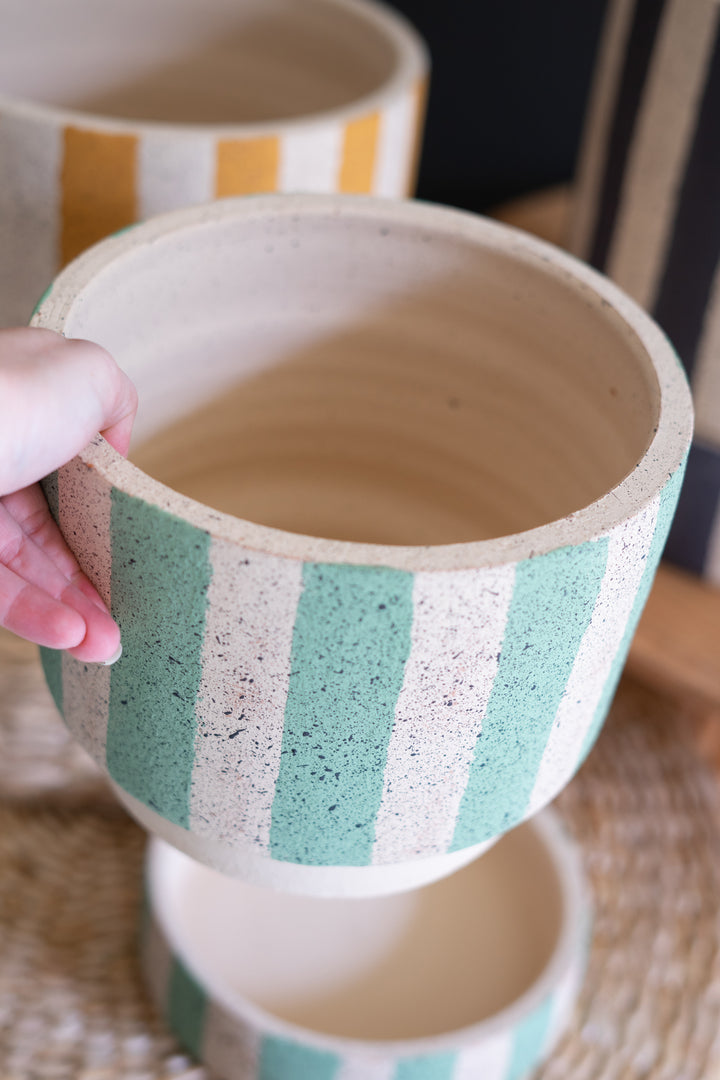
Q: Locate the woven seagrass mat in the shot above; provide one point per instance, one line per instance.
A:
(644, 809)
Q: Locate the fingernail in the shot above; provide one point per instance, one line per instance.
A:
(114, 658)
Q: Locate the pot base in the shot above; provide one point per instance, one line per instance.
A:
(327, 881)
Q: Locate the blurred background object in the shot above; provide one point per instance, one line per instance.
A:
(508, 92)
(647, 213)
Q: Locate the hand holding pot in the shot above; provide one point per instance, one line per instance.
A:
(55, 394)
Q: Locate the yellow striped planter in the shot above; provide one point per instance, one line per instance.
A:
(507, 433)
(69, 177)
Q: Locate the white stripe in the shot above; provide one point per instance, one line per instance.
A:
(248, 633)
(396, 144)
(156, 964)
(174, 171)
(30, 163)
(706, 371)
(363, 1068)
(229, 1047)
(627, 552)
(664, 130)
(596, 130)
(488, 1061)
(85, 507)
(86, 704)
(563, 1004)
(458, 625)
(711, 570)
(310, 159)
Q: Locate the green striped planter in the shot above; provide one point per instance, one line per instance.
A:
(189, 105)
(336, 716)
(238, 1040)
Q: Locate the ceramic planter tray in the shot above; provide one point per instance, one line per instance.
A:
(474, 976)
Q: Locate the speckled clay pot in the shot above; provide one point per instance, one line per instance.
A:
(646, 212)
(110, 113)
(471, 978)
(487, 441)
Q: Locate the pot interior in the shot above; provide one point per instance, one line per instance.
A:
(369, 380)
(219, 61)
(407, 966)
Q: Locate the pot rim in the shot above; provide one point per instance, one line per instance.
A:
(569, 954)
(665, 453)
(412, 63)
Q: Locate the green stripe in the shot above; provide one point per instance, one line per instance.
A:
(351, 641)
(434, 1067)
(529, 1041)
(186, 1008)
(50, 486)
(51, 659)
(550, 610)
(281, 1059)
(42, 300)
(160, 576)
(668, 503)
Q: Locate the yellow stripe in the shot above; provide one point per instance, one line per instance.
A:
(359, 150)
(247, 166)
(420, 95)
(98, 188)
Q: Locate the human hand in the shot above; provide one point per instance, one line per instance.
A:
(55, 395)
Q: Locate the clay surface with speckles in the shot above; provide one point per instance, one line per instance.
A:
(374, 606)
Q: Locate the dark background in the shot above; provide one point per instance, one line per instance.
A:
(508, 91)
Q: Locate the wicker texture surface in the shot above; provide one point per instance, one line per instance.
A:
(644, 809)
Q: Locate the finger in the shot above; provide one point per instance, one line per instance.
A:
(30, 565)
(30, 613)
(59, 623)
(30, 513)
(87, 588)
(118, 435)
(53, 400)
(101, 636)
(29, 509)
(116, 395)
(101, 643)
